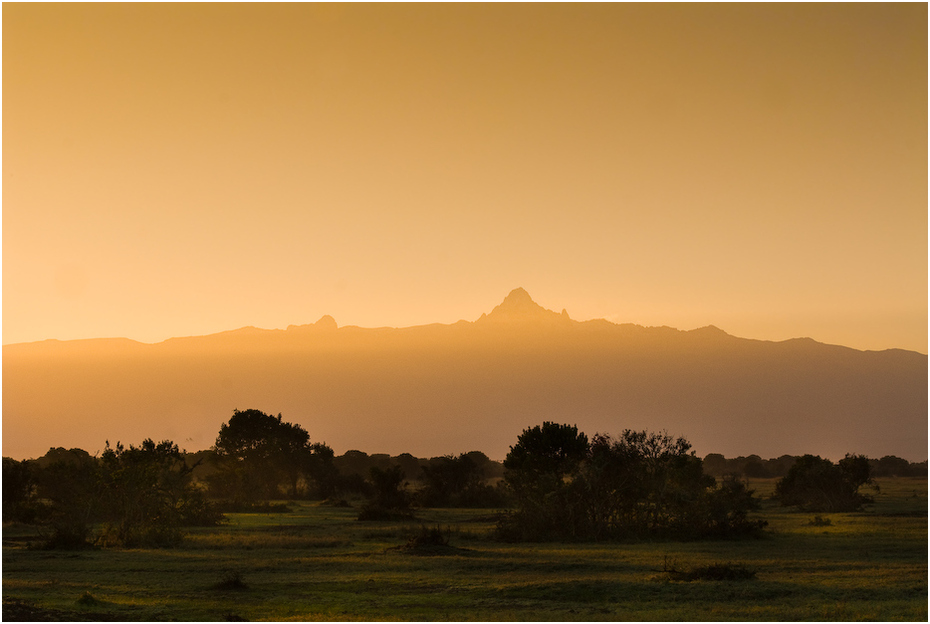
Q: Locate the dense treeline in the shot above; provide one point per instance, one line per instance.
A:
(557, 483)
(755, 467)
(136, 496)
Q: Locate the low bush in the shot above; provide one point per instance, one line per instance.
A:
(231, 581)
(712, 572)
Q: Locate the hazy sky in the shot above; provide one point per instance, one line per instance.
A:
(181, 169)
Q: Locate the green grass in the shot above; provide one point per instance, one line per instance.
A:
(319, 563)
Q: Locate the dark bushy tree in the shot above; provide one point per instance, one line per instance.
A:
(69, 489)
(390, 499)
(140, 496)
(255, 453)
(641, 484)
(457, 482)
(18, 489)
(535, 472)
(817, 484)
(893, 466)
(147, 495)
(649, 484)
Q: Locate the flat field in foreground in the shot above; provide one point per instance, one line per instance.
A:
(319, 563)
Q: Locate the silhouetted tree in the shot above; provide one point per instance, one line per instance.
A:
(715, 464)
(256, 453)
(320, 468)
(390, 498)
(69, 488)
(817, 484)
(353, 462)
(641, 484)
(891, 466)
(147, 495)
(409, 464)
(457, 482)
(18, 488)
(538, 463)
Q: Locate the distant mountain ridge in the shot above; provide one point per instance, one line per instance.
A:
(471, 385)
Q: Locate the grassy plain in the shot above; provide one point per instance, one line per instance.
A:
(319, 563)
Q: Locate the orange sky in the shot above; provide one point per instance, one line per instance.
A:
(179, 169)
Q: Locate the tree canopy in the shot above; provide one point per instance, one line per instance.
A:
(640, 484)
(257, 452)
(817, 484)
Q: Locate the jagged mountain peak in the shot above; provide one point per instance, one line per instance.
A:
(519, 306)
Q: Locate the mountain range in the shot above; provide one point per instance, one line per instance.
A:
(437, 389)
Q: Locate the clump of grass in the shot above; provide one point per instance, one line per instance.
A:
(87, 600)
(66, 537)
(722, 572)
(713, 572)
(428, 537)
(232, 581)
(428, 541)
(264, 508)
(820, 521)
(378, 513)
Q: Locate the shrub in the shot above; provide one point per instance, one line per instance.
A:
(391, 500)
(231, 581)
(713, 572)
(817, 484)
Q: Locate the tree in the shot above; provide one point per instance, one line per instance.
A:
(390, 499)
(142, 496)
(817, 484)
(319, 466)
(409, 464)
(18, 487)
(535, 472)
(457, 482)
(147, 495)
(256, 453)
(640, 484)
(542, 457)
(69, 488)
(715, 464)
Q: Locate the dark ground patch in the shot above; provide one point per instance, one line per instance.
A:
(15, 610)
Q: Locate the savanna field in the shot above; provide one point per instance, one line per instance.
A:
(318, 562)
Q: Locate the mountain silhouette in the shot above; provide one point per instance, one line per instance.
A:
(437, 389)
(519, 307)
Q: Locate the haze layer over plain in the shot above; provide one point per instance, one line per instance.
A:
(440, 389)
(178, 169)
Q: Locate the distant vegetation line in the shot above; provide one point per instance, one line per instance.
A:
(556, 483)
(359, 463)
